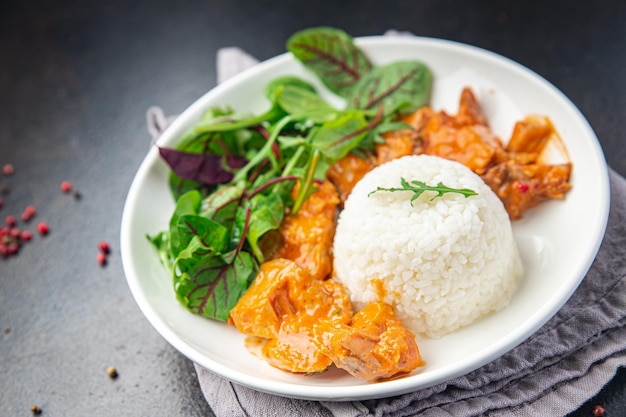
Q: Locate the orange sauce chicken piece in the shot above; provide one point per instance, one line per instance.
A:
(282, 305)
(375, 346)
(519, 173)
(298, 315)
(307, 236)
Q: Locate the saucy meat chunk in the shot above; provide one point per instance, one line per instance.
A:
(282, 305)
(464, 137)
(375, 346)
(346, 172)
(307, 236)
(521, 173)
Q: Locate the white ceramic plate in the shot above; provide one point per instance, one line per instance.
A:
(558, 240)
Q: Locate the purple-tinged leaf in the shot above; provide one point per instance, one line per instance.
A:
(207, 169)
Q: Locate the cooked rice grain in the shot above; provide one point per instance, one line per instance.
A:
(441, 263)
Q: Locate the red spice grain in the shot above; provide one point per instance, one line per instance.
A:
(598, 411)
(1, 202)
(13, 248)
(35, 409)
(521, 186)
(66, 186)
(28, 213)
(26, 235)
(10, 221)
(15, 232)
(4, 251)
(8, 169)
(101, 258)
(43, 228)
(104, 247)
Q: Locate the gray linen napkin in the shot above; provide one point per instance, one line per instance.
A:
(556, 370)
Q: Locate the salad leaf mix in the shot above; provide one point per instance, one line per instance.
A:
(232, 174)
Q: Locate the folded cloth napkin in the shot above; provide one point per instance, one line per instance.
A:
(554, 372)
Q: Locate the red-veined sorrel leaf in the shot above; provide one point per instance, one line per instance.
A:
(332, 55)
(212, 287)
(267, 214)
(210, 237)
(336, 138)
(401, 85)
(207, 169)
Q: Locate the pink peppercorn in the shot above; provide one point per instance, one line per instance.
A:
(26, 235)
(104, 247)
(598, 411)
(1, 202)
(66, 186)
(10, 221)
(13, 248)
(521, 186)
(15, 232)
(101, 258)
(43, 228)
(8, 169)
(28, 213)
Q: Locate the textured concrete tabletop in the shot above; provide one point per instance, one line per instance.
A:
(76, 79)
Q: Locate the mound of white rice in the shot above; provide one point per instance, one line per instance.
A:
(441, 263)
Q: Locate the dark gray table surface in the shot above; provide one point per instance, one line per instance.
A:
(76, 79)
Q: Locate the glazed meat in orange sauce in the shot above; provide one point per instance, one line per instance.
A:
(525, 179)
(282, 305)
(307, 236)
(345, 173)
(517, 173)
(308, 325)
(375, 346)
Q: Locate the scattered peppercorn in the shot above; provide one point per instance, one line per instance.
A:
(43, 228)
(13, 248)
(104, 247)
(35, 409)
(8, 169)
(26, 235)
(28, 213)
(66, 186)
(6, 330)
(77, 195)
(101, 258)
(521, 186)
(10, 221)
(1, 202)
(598, 411)
(112, 372)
